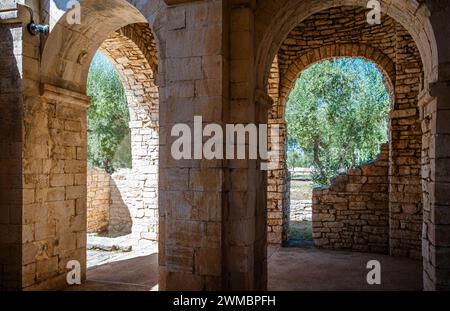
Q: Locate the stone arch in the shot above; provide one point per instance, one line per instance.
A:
(132, 51)
(70, 48)
(127, 37)
(398, 59)
(385, 65)
(279, 88)
(285, 15)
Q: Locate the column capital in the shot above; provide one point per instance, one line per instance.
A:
(57, 94)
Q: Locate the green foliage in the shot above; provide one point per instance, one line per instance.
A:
(297, 158)
(337, 116)
(109, 145)
(300, 230)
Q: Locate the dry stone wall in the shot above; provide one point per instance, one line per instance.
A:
(301, 186)
(405, 194)
(115, 206)
(300, 210)
(278, 201)
(128, 212)
(353, 213)
(98, 200)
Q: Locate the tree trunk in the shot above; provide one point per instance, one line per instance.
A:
(353, 160)
(343, 154)
(316, 152)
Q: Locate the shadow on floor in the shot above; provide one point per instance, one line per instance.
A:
(292, 269)
(136, 274)
(311, 269)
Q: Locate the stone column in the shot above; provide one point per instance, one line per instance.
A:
(43, 167)
(436, 186)
(440, 213)
(191, 81)
(55, 172)
(11, 195)
(435, 159)
(278, 181)
(245, 201)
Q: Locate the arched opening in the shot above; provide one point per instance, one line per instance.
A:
(130, 181)
(130, 195)
(337, 120)
(342, 31)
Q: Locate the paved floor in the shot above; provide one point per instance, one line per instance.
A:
(301, 269)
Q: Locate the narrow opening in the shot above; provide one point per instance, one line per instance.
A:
(109, 155)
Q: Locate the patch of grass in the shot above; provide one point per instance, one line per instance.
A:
(300, 230)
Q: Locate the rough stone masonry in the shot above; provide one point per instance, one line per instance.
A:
(344, 32)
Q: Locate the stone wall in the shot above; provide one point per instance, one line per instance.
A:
(405, 195)
(98, 200)
(301, 186)
(277, 178)
(300, 210)
(116, 207)
(435, 170)
(244, 198)
(11, 189)
(353, 213)
(128, 212)
(336, 32)
(53, 175)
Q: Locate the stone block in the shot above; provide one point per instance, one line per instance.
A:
(208, 261)
(184, 69)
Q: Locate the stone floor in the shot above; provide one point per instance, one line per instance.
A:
(300, 269)
(103, 250)
(311, 269)
(134, 270)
